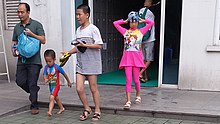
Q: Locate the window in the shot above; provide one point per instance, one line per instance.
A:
(10, 9)
(216, 38)
(217, 24)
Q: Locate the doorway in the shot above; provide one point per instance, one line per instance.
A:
(166, 50)
(172, 33)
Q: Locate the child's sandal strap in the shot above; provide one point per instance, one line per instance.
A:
(138, 100)
(127, 105)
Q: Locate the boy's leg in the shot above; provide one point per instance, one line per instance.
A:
(149, 57)
(80, 79)
(59, 102)
(144, 51)
(81, 92)
(147, 63)
(95, 92)
(148, 53)
(51, 105)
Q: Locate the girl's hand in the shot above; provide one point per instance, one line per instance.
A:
(141, 20)
(126, 21)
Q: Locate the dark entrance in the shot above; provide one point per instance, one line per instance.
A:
(172, 41)
(107, 11)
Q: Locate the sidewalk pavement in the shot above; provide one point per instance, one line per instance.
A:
(156, 102)
(72, 117)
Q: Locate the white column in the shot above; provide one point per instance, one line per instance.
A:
(68, 27)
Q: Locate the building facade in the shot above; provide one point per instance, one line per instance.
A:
(187, 45)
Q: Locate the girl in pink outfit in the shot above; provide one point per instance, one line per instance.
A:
(132, 59)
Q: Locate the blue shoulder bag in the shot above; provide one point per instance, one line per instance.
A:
(27, 46)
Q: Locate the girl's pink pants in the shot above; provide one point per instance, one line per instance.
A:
(135, 72)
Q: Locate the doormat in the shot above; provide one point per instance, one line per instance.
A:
(118, 78)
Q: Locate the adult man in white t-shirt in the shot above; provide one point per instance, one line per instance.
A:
(148, 40)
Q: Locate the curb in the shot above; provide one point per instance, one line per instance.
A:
(144, 113)
(19, 110)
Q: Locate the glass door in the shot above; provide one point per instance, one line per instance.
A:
(171, 11)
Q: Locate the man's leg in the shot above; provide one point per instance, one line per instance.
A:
(95, 92)
(33, 74)
(21, 77)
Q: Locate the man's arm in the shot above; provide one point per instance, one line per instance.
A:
(40, 38)
(13, 43)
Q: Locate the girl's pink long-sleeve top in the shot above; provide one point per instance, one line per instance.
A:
(132, 54)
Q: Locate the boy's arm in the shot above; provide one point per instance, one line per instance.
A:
(45, 75)
(67, 79)
(91, 46)
(72, 51)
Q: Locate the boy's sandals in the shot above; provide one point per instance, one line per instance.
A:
(138, 100)
(60, 111)
(49, 114)
(96, 116)
(142, 79)
(85, 115)
(127, 105)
